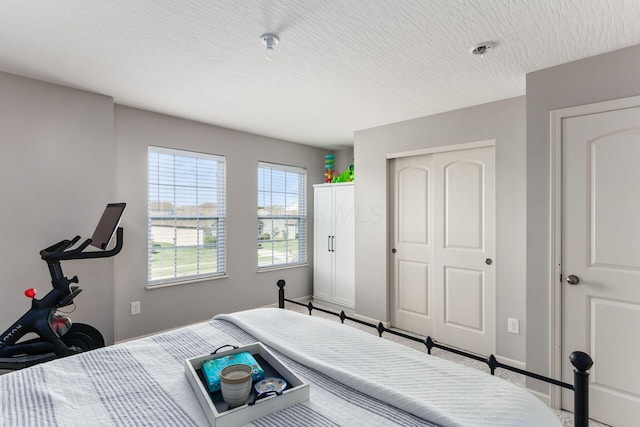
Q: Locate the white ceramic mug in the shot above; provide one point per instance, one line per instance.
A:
(235, 383)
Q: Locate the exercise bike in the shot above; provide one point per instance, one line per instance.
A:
(57, 336)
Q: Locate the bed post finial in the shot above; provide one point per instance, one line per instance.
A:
(493, 364)
(281, 293)
(582, 362)
(429, 343)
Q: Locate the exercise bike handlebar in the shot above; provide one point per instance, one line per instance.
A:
(60, 246)
(60, 252)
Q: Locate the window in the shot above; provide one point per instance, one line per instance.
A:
(186, 215)
(282, 215)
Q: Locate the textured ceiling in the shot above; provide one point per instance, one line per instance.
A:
(341, 65)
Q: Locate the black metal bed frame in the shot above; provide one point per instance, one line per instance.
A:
(580, 360)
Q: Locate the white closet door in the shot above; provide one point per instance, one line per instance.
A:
(343, 246)
(443, 247)
(411, 263)
(322, 256)
(464, 187)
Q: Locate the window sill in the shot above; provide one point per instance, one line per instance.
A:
(186, 281)
(281, 267)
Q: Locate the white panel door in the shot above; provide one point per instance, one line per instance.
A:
(464, 187)
(343, 246)
(322, 256)
(443, 235)
(601, 251)
(411, 262)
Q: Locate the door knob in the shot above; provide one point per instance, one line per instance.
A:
(488, 261)
(393, 251)
(572, 279)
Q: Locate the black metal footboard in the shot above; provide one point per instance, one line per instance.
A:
(580, 360)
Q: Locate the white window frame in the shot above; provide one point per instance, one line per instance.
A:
(190, 214)
(299, 220)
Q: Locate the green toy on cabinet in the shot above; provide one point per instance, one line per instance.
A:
(346, 176)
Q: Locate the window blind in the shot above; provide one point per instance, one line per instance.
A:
(282, 215)
(186, 215)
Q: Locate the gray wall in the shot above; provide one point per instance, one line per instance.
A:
(600, 78)
(344, 158)
(244, 288)
(61, 161)
(503, 121)
(56, 168)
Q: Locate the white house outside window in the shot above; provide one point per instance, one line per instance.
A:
(186, 215)
(282, 215)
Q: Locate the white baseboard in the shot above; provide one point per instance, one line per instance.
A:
(300, 299)
(304, 298)
(370, 320)
(512, 362)
(336, 307)
(159, 332)
(332, 306)
(543, 397)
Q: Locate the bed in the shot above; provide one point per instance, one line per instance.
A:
(355, 379)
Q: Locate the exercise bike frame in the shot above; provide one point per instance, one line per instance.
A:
(38, 319)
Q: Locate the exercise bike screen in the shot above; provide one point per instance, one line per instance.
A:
(107, 225)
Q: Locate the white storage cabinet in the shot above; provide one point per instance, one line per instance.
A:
(334, 244)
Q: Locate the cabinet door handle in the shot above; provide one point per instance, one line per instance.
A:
(329, 243)
(333, 243)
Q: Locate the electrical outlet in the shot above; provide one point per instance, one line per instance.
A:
(514, 326)
(135, 307)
